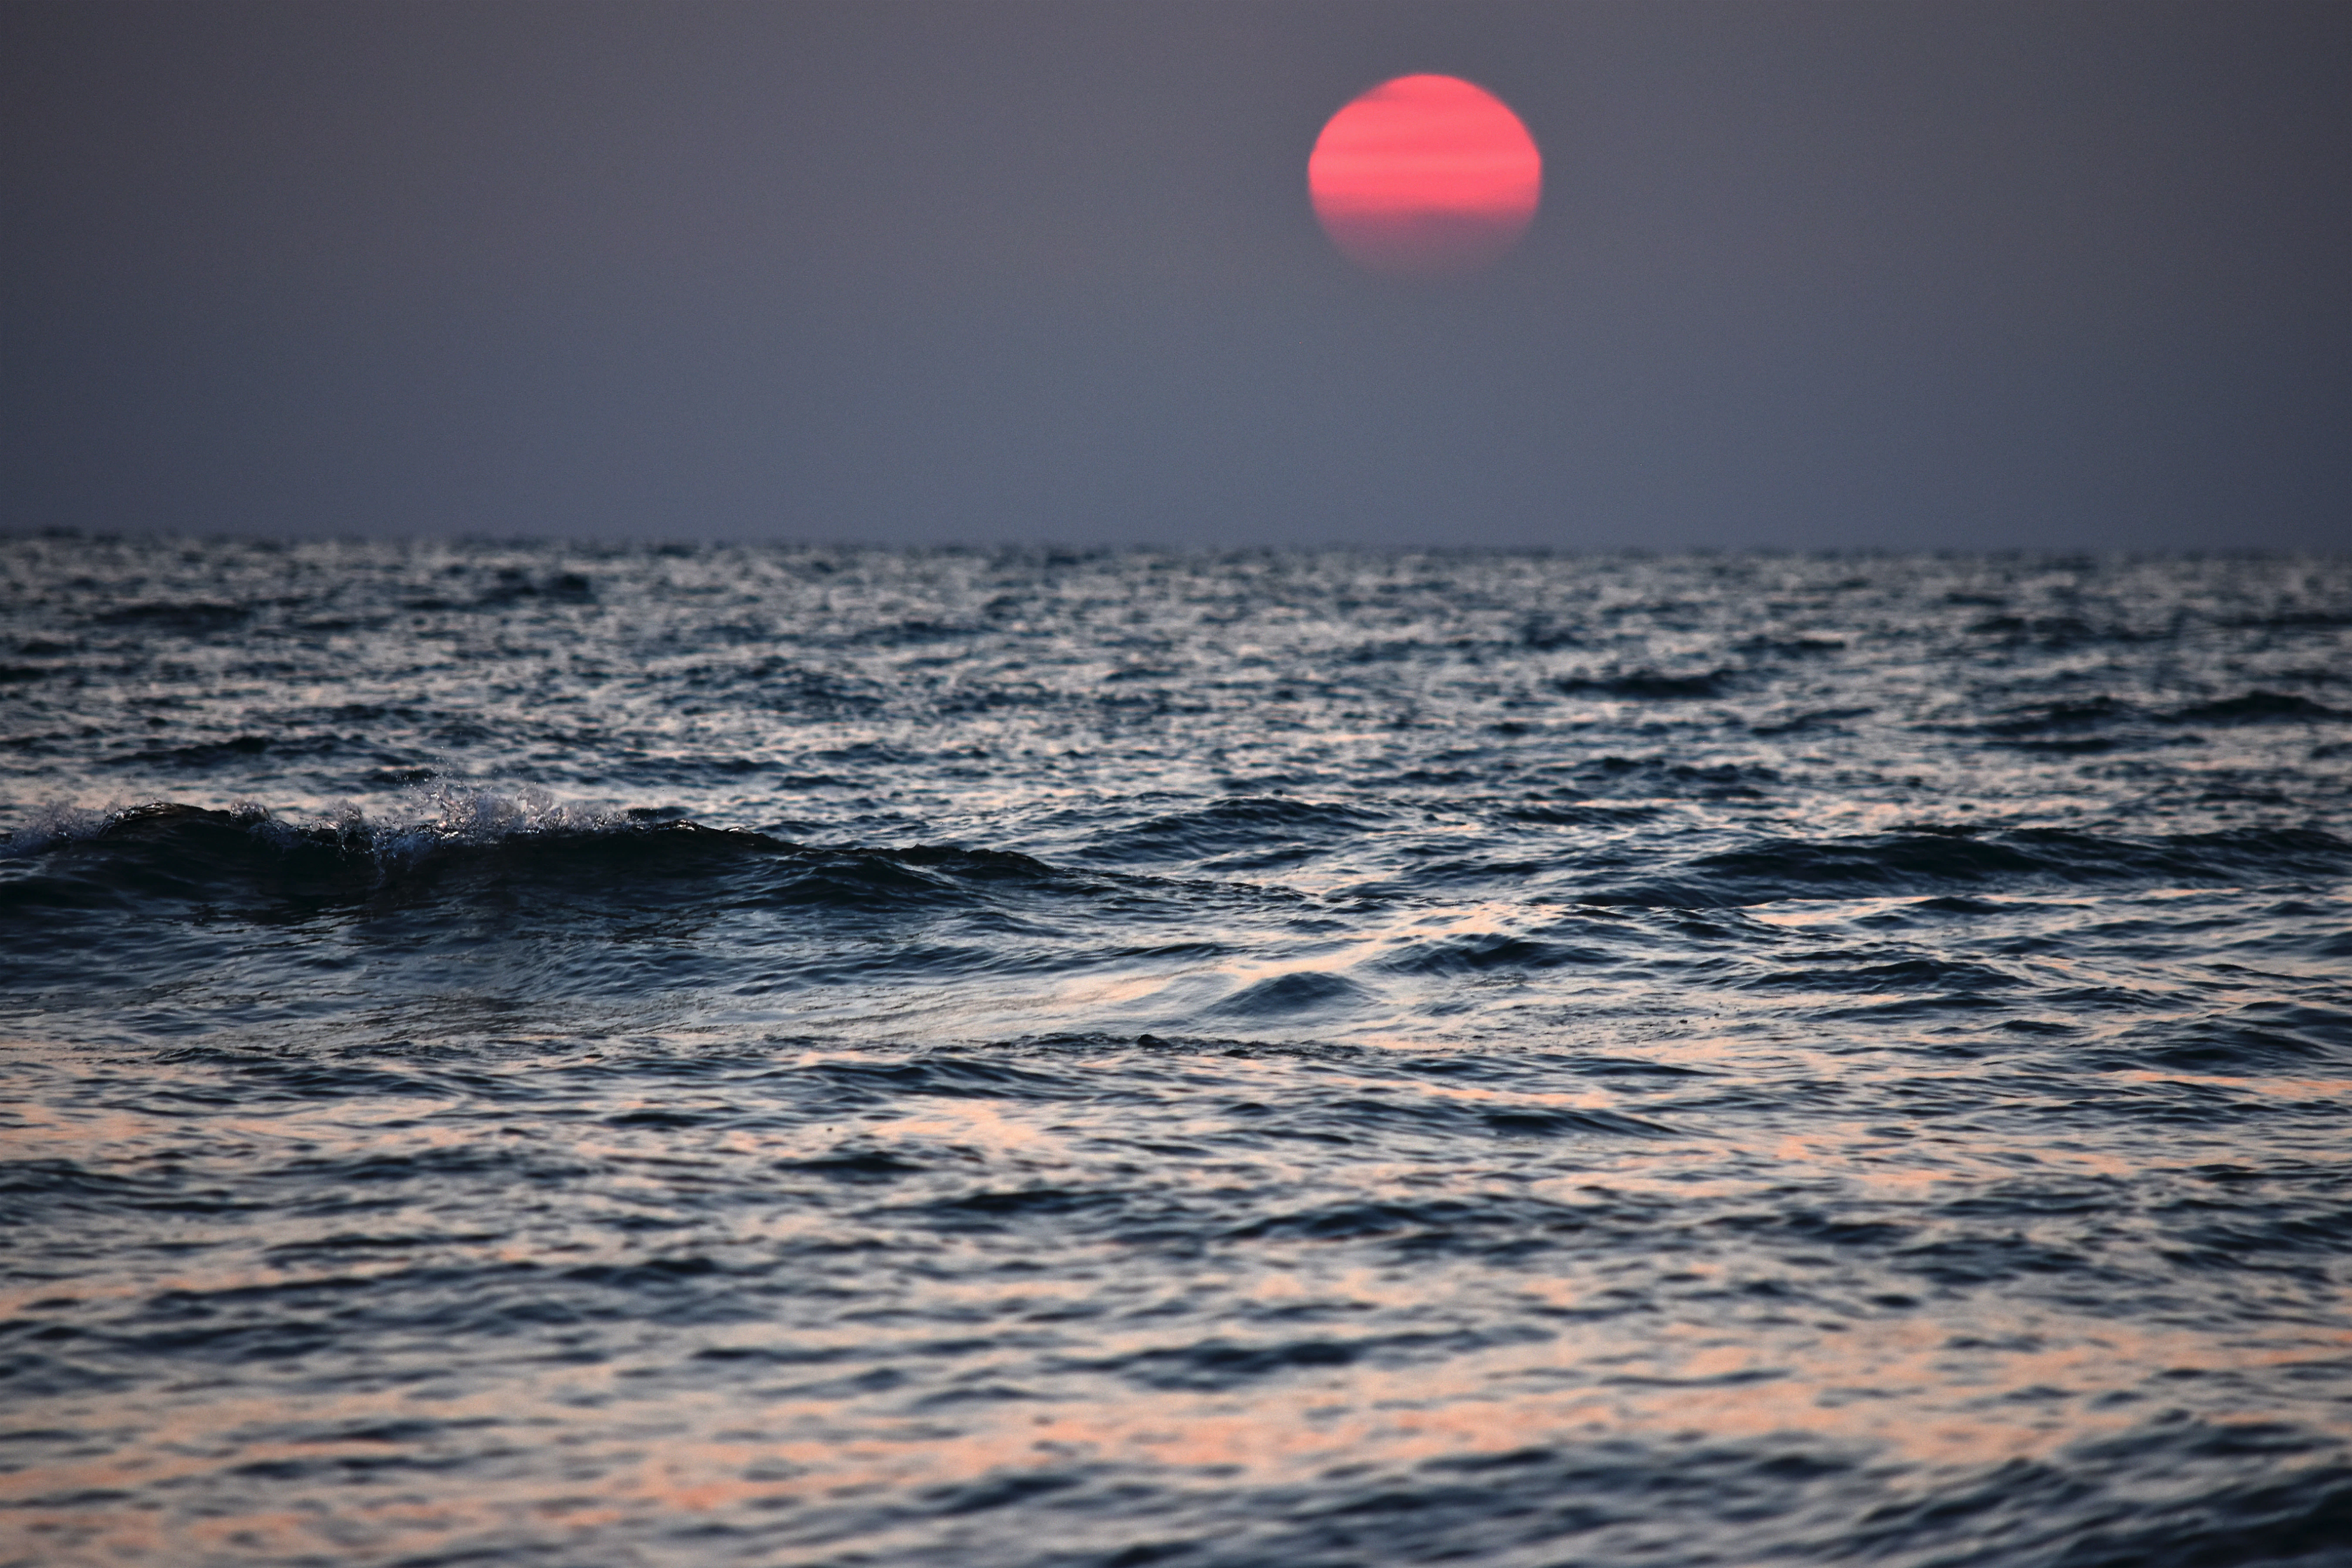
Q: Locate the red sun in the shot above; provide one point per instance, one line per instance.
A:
(1426, 176)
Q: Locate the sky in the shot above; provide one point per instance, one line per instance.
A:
(1846, 274)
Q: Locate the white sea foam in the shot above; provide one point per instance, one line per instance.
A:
(54, 821)
(441, 813)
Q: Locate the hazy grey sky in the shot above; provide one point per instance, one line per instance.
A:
(1854, 274)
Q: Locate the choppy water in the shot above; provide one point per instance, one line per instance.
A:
(540, 1055)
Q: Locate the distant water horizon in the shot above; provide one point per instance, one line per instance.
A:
(559, 1052)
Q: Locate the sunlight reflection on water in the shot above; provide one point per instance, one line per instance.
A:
(865, 1058)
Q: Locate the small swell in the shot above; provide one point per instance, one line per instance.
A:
(1306, 990)
(494, 848)
(2060, 717)
(2259, 707)
(197, 617)
(1934, 863)
(1238, 824)
(1647, 685)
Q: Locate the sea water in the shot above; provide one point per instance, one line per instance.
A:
(548, 1054)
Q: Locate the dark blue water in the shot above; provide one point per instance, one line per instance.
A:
(543, 1054)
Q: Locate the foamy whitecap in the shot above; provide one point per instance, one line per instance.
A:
(53, 821)
(440, 813)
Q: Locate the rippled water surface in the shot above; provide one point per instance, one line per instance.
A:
(539, 1055)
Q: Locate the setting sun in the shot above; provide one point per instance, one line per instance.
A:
(1426, 176)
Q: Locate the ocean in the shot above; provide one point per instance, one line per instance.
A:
(555, 1054)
